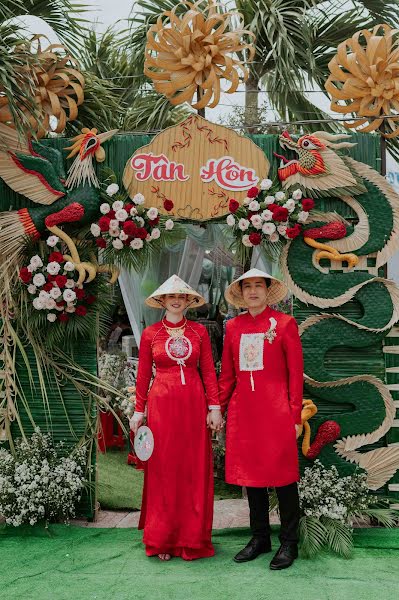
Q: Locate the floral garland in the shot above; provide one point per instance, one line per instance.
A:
(126, 225)
(268, 217)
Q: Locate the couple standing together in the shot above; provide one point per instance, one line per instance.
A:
(261, 383)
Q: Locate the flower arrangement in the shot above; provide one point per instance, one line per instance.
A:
(125, 225)
(40, 483)
(268, 217)
(330, 504)
(120, 373)
(53, 286)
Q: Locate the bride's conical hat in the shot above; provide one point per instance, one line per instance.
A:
(174, 285)
(276, 292)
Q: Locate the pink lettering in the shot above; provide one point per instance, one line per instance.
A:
(158, 167)
(228, 174)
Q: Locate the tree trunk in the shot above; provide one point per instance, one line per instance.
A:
(251, 115)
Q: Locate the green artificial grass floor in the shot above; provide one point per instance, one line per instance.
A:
(73, 563)
(120, 485)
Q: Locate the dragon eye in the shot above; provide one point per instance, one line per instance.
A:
(308, 144)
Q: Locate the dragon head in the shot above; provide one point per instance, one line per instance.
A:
(317, 168)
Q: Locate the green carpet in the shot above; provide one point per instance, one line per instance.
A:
(120, 485)
(72, 563)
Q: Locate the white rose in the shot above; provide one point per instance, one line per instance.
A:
(269, 199)
(117, 205)
(55, 292)
(303, 216)
(95, 230)
(70, 283)
(140, 221)
(38, 304)
(39, 279)
(30, 268)
(280, 196)
(138, 199)
(282, 229)
(266, 184)
(256, 221)
(70, 309)
(114, 232)
(52, 241)
(133, 211)
(230, 220)
(297, 194)
(268, 228)
(148, 237)
(243, 224)
(123, 236)
(43, 296)
(254, 205)
(36, 262)
(274, 237)
(121, 214)
(50, 303)
(169, 224)
(69, 295)
(105, 208)
(113, 224)
(69, 266)
(152, 213)
(53, 268)
(246, 241)
(267, 215)
(117, 244)
(31, 288)
(290, 205)
(112, 189)
(247, 201)
(155, 233)
(51, 317)
(136, 244)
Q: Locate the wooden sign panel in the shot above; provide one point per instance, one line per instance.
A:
(197, 165)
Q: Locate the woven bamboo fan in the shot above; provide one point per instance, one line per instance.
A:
(192, 52)
(364, 80)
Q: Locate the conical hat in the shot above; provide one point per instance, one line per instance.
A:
(174, 285)
(276, 292)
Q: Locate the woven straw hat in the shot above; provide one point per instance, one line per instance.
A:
(174, 285)
(277, 290)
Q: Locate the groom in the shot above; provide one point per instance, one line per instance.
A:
(261, 381)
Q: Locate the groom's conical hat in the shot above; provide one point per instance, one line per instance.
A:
(276, 291)
(174, 285)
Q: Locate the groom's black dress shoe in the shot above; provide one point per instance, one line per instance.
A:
(252, 550)
(284, 557)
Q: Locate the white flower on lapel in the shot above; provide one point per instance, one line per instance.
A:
(271, 332)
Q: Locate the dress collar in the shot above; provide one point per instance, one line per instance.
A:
(265, 313)
(172, 325)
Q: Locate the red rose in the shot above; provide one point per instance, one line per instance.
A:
(56, 257)
(80, 293)
(91, 299)
(255, 238)
(104, 223)
(233, 205)
(154, 222)
(307, 204)
(168, 204)
(129, 227)
(111, 214)
(128, 207)
(141, 233)
(47, 287)
(293, 232)
(61, 303)
(280, 214)
(61, 280)
(253, 192)
(63, 317)
(101, 243)
(25, 275)
(272, 206)
(81, 311)
(51, 277)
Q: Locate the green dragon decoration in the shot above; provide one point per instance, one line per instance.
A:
(366, 409)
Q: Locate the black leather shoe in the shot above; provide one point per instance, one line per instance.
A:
(284, 557)
(252, 550)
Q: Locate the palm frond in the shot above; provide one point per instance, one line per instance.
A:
(339, 537)
(313, 535)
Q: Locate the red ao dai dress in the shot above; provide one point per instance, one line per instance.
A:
(177, 507)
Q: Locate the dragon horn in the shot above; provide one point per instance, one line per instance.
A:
(103, 137)
(332, 138)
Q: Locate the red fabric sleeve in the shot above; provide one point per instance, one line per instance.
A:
(144, 372)
(207, 369)
(227, 378)
(294, 357)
